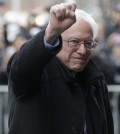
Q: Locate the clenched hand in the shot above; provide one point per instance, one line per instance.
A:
(62, 16)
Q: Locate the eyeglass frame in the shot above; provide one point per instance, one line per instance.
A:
(79, 43)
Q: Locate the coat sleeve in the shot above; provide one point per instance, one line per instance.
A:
(26, 66)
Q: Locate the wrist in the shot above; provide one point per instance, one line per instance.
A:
(50, 34)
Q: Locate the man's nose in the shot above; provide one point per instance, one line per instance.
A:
(81, 49)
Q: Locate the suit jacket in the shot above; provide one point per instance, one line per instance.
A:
(44, 99)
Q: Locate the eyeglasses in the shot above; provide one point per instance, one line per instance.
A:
(89, 44)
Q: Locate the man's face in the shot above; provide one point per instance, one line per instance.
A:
(76, 59)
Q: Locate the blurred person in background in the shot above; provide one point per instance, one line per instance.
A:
(108, 59)
(2, 48)
(107, 35)
(54, 86)
(32, 26)
(113, 22)
(14, 35)
(8, 52)
(102, 54)
(2, 51)
(113, 42)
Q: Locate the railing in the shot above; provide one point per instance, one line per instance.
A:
(115, 104)
(114, 99)
(3, 109)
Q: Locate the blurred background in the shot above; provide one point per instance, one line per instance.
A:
(22, 19)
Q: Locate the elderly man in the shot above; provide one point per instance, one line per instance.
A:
(54, 86)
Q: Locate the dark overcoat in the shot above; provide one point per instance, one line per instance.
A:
(43, 99)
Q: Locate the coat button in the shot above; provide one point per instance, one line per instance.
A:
(74, 130)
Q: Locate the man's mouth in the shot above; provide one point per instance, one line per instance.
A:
(79, 58)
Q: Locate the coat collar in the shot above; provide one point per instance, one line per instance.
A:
(90, 72)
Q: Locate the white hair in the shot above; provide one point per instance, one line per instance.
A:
(80, 14)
